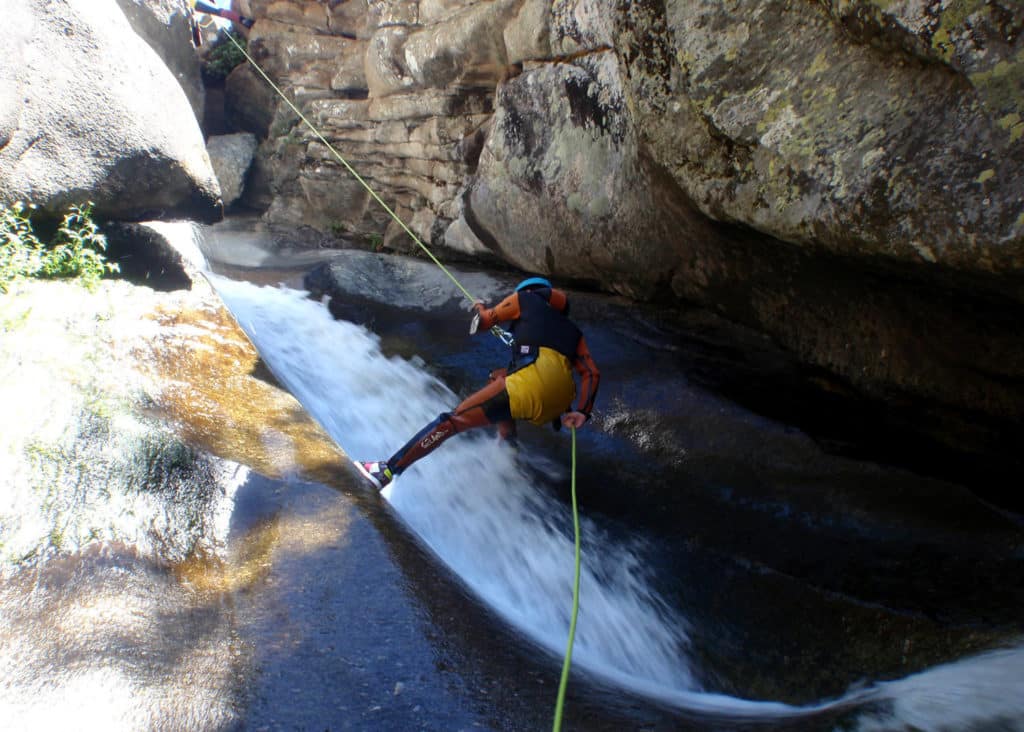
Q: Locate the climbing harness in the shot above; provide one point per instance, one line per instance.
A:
(498, 332)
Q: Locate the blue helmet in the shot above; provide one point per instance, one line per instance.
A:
(532, 282)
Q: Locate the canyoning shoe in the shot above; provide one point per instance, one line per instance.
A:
(377, 473)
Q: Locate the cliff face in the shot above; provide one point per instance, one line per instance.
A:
(844, 175)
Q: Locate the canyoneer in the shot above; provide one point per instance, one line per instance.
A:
(232, 15)
(537, 385)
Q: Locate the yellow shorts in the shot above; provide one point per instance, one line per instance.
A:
(543, 390)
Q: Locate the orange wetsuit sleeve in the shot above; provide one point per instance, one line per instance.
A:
(504, 312)
(590, 377)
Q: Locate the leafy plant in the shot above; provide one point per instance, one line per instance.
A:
(224, 56)
(21, 252)
(76, 249)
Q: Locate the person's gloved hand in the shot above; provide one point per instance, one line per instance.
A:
(574, 419)
(474, 324)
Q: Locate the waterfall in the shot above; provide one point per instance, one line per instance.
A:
(470, 502)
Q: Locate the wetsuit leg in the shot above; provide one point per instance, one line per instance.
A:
(488, 406)
(506, 427)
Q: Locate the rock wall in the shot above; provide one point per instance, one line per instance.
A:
(166, 26)
(91, 112)
(843, 175)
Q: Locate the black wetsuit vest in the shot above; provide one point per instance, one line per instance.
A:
(538, 325)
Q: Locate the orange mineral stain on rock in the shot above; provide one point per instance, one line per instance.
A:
(213, 385)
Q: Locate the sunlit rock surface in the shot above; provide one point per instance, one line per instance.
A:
(84, 458)
(166, 26)
(111, 398)
(132, 418)
(97, 116)
(231, 156)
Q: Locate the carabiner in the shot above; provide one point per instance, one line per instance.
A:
(503, 335)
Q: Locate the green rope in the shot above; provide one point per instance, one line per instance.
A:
(575, 598)
(575, 514)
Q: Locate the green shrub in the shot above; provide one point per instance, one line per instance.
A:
(223, 56)
(77, 249)
(21, 252)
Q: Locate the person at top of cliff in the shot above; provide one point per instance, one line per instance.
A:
(537, 385)
(231, 15)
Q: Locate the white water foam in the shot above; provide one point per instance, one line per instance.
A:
(983, 692)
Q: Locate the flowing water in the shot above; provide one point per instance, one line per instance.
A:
(471, 502)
